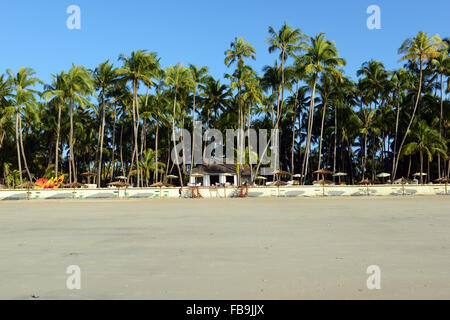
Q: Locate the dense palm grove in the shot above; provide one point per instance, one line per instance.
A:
(118, 118)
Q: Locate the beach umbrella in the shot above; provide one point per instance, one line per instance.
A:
(444, 180)
(121, 178)
(323, 172)
(339, 175)
(261, 178)
(28, 186)
(75, 185)
(197, 175)
(323, 182)
(420, 175)
(366, 182)
(171, 176)
(403, 181)
(88, 175)
(279, 173)
(383, 175)
(118, 185)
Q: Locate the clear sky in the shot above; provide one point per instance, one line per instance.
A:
(34, 32)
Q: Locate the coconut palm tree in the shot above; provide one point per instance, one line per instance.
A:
(425, 140)
(177, 76)
(79, 86)
(104, 77)
(289, 41)
(58, 90)
(139, 66)
(401, 81)
(420, 49)
(321, 56)
(199, 76)
(22, 83)
(442, 65)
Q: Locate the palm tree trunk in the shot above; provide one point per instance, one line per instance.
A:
(113, 150)
(440, 123)
(72, 160)
(156, 148)
(412, 117)
(193, 132)
(121, 149)
(335, 141)
(23, 150)
(321, 134)
(421, 167)
(173, 136)
(396, 133)
(293, 131)
(19, 160)
(310, 124)
(58, 132)
(102, 133)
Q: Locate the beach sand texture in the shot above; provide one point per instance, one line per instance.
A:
(254, 248)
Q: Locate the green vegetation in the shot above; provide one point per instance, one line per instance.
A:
(119, 119)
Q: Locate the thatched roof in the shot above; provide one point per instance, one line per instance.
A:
(119, 184)
(27, 185)
(402, 180)
(75, 185)
(442, 180)
(323, 171)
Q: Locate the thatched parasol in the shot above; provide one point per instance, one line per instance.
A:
(402, 181)
(323, 172)
(88, 175)
(158, 184)
(27, 185)
(118, 185)
(383, 175)
(75, 185)
(279, 173)
(444, 180)
(339, 175)
(323, 182)
(260, 178)
(121, 178)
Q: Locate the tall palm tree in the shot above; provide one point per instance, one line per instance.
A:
(401, 80)
(239, 49)
(199, 76)
(177, 76)
(289, 41)
(23, 95)
(139, 66)
(321, 55)
(79, 86)
(104, 77)
(442, 65)
(58, 90)
(420, 49)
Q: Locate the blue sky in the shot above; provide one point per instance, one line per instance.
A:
(34, 32)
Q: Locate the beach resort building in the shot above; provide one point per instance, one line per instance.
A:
(218, 174)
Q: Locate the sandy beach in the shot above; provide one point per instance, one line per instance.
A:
(260, 248)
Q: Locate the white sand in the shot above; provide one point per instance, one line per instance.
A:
(265, 248)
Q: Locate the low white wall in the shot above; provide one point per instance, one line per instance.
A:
(221, 192)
